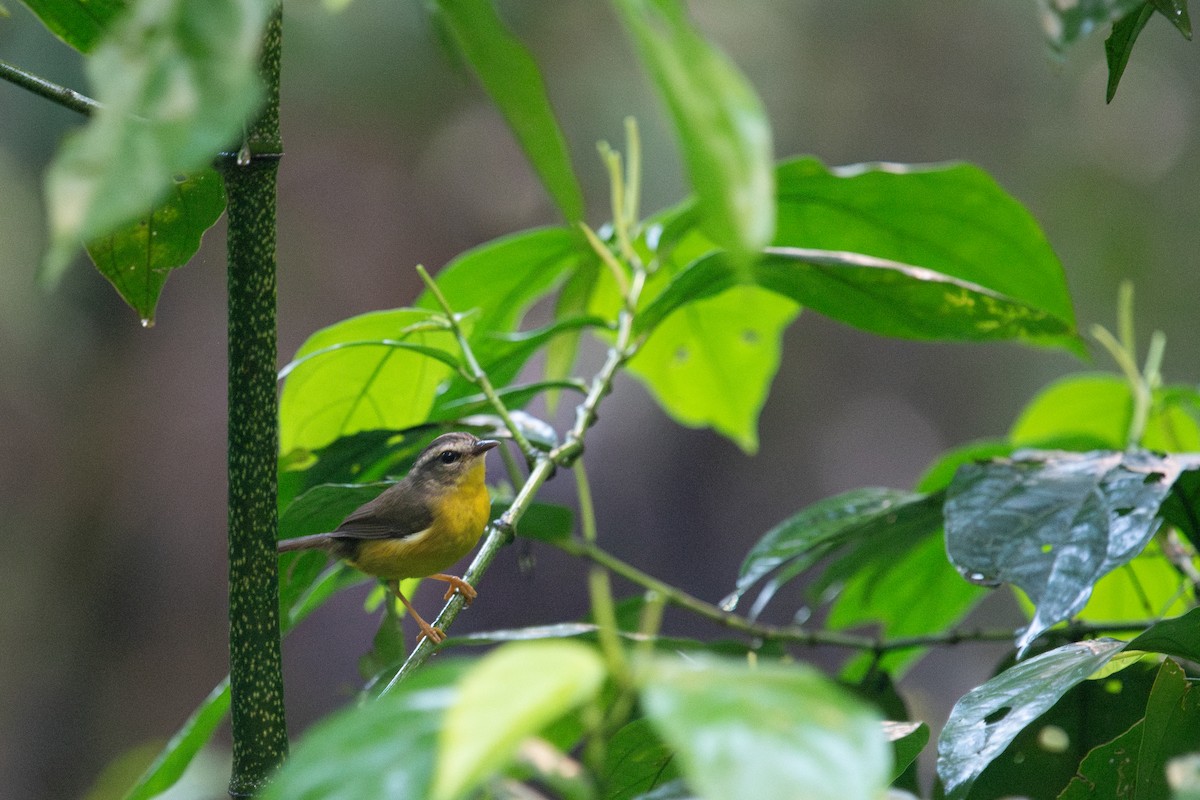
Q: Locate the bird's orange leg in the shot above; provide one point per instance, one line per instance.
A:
(434, 635)
(456, 585)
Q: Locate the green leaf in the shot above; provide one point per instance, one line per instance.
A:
(711, 364)
(513, 692)
(1043, 758)
(1066, 23)
(718, 119)
(385, 748)
(1177, 12)
(762, 732)
(1179, 637)
(908, 740)
(805, 538)
(511, 78)
(1107, 770)
(1119, 45)
(1134, 764)
(896, 577)
(79, 23)
(953, 219)
(183, 746)
(322, 508)
(136, 259)
(503, 278)
(387, 378)
(1092, 411)
(1053, 523)
(636, 761)
(986, 719)
(176, 81)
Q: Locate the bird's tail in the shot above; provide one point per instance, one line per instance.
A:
(318, 541)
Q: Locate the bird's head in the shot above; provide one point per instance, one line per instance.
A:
(451, 458)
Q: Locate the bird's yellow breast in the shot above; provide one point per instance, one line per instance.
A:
(459, 517)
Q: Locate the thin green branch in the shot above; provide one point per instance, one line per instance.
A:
(544, 466)
(799, 635)
(476, 373)
(67, 98)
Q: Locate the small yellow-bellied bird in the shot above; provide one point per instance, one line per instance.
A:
(420, 526)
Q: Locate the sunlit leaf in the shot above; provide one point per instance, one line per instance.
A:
(501, 279)
(177, 80)
(711, 364)
(1092, 410)
(511, 78)
(719, 121)
(988, 718)
(512, 693)
(762, 732)
(1179, 637)
(1053, 523)
(137, 258)
(358, 378)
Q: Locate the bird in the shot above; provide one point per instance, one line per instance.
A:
(419, 526)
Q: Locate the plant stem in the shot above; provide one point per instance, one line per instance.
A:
(799, 635)
(475, 372)
(67, 98)
(256, 682)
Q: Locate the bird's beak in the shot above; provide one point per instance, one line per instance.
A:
(483, 445)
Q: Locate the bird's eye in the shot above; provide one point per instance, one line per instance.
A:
(448, 456)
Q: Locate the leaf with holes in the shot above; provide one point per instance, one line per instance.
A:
(137, 258)
(1054, 523)
(988, 718)
(711, 364)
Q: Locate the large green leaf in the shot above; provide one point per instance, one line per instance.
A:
(801, 540)
(1134, 764)
(137, 258)
(376, 370)
(877, 295)
(988, 718)
(718, 119)
(79, 23)
(386, 748)
(1119, 45)
(1093, 410)
(1043, 758)
(183, 746)
(763, 732)
(1179, 637)
(953, 219)
(499, 280)
(176, 81)
(511, 78)
(1053, 523)
(513, 692)
(711, 364)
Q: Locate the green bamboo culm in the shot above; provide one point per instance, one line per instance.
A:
(256, 681)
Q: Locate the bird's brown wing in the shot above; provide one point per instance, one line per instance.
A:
(396, 513)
